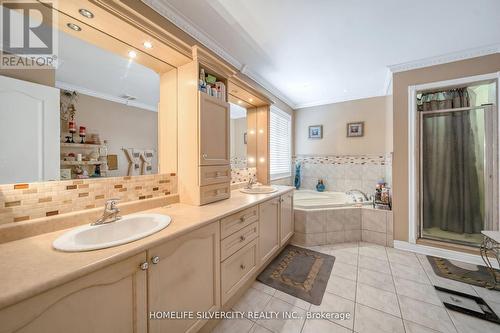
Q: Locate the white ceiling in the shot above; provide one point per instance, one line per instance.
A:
(91, 70)
(311, 52)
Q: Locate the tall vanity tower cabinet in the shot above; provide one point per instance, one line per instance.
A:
(203, 133)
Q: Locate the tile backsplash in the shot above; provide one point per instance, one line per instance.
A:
(341, 173)
(22, 202)
(239, 175)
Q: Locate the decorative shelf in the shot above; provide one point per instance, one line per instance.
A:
(80, 145)
(82, 162)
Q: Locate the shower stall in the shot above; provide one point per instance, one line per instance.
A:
(457, 162)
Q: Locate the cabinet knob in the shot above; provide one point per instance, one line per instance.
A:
(204, 156)
(243, 266)
(144, 266)
(282, 200)
(155, 260)
(242, 219)
(242, 238)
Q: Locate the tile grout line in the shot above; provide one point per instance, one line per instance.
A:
(395, 289)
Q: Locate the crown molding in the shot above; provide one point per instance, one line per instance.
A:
(71, 87)
(445, 58)
(173, 15)
(333, 100)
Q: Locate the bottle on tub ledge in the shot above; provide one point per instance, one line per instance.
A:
(320, 187)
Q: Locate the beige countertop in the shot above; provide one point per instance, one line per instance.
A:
(31, 266)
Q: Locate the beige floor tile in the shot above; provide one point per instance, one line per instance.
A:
(295, 301)
(488, 295)
(373, 251)
(283, 325)
(452, 284)
(334, 303)
(376, 279)
(402, 257)
(426, 314)
(256, 328)
(252, 300)
(419, 291)
(469, 324)
(264, 288)
(342, 287)
(413, 273)
(234, 325)
(416, 328)
(379, 299)
(323, 326)
(345, 271)
(368, 320)
(345, 256)
(374, 264)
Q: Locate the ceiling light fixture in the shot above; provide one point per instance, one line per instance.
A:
(132, 54)
(239, 102)
(148, 45)
(250, 99)
(86, 13)
(73, 26)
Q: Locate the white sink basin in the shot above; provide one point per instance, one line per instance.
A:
(259, 190)
(128, 229)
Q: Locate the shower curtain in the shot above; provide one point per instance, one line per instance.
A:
(452, 170)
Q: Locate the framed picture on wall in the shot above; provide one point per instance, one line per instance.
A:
(316, 132)
(356, 129)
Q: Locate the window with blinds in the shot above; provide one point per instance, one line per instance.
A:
(280, 144)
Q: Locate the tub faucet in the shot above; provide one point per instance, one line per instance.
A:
(354, 191)
(110, 213)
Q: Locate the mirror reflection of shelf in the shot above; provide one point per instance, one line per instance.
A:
(82, 162)
(80, 145)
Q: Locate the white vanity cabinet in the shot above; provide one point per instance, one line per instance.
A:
(111, 300)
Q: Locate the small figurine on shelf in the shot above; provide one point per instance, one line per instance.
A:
(320, 187)
(382, 198)
(82, 134)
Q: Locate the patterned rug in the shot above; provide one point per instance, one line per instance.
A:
(299, 272)
(467, 273)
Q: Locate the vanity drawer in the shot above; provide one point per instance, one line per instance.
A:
(238, 268)
(215, 174)
(232, 223)
(239, 239)
(216, 192)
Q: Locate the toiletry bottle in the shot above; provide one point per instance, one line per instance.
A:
(320, 187)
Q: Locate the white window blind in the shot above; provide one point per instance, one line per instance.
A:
(280, 142)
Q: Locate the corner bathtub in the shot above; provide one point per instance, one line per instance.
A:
(308, 199)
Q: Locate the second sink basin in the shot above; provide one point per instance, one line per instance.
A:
(259, 190)
(129, 228)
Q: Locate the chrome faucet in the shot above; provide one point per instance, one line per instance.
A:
(354, 191)
(110, 213)
(251, 183)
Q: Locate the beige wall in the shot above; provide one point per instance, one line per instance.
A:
(46, 77)
(401, 81)
(334, 118)
(120, 124)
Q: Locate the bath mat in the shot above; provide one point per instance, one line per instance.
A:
(477, 275)
(299, 272)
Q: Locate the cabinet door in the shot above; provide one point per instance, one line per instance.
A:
(269, 240)
(186, 278)
(111, 300)
(286, 218)
(214, 131)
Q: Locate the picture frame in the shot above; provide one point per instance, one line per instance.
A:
(356, 129)
(316, 132)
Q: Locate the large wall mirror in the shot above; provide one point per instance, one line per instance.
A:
(95, 116)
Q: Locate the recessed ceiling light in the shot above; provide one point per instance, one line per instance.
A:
(250, 99)
(132, 54)
(86, 13)
(148, 45)
(73, 26)
(239, 102)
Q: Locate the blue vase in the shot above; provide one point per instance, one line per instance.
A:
(320, 187)
(297, 176)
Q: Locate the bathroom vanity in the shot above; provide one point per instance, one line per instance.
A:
(202, 261)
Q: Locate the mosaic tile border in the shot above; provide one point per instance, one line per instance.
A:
(242, 175)
(382, 159)
(238, 162)
(28, 201)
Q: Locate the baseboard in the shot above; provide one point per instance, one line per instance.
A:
(443, 253)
